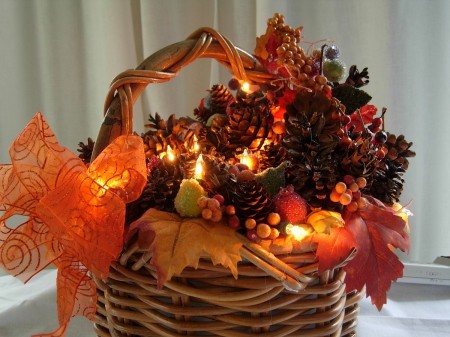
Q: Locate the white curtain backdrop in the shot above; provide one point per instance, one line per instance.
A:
(58, 57)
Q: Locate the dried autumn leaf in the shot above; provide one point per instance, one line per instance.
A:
(179, 242)
(260, 48)
(322, 221)
(375, 265)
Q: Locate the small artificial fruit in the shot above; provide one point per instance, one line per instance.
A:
(290, 205)
(186, 199)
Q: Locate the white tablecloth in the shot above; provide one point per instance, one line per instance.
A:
(413, 310)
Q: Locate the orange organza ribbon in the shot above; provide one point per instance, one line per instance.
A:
(74, 216)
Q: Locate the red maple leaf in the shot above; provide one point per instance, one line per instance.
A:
(287, 98)
(333, 248)
(367, 113)
(375, 265)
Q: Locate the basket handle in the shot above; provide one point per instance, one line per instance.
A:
(164, 65)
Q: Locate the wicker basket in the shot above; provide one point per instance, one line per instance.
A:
(274, 295)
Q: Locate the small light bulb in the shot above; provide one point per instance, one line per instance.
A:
(246, 87)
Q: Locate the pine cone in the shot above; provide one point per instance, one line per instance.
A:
(250, 122)
(86, 151)
(272, 156)
(215, 102)
(161, 134)
(387, 184)
(162, 187)
(311, 141)
(356, 78)
(361, 161)
(251, 200)
(220, 97)
(216, 176)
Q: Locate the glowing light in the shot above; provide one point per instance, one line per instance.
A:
(199, 167)
(195, 144)
(298, 232)
(246, 87)
(249, 159)
(170, 154)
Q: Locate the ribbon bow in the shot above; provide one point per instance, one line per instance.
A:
(74, 216)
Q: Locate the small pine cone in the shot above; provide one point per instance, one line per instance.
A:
(272, 156)
(362, 160)
(162, 187)
(216, 176)
(187, 163)
(154, 143)
(399, 149)
(356, 78)
(202, 114)
(86, 151)
(212, 139)
(220, 97)
(387, 184)
(251, 200)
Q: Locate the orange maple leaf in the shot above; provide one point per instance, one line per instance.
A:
(375, 265)
(179, 242)
(333, 248)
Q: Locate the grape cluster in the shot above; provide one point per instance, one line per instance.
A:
(348, 193)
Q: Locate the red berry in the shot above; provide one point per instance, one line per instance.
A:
(381, 154)
(374, 128)
(356, 195)
(252, 235)
(233, 221)
(377, 121)
(219, 198)
(348, 179)
(230, 210)
(345, 141)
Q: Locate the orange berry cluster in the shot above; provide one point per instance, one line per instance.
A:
(263, 230)
(304, 67)
(213, 208)
(348, 193)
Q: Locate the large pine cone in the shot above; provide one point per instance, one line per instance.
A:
(311, 140)
(251, 200)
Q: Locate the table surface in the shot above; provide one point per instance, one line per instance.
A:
(413, 310)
